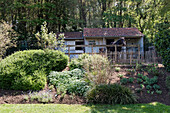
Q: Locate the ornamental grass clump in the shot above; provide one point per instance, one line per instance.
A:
(111, 94)
(98, 69)
(78, 62)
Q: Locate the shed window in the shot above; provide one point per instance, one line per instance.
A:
(79, 43)
(92, 42)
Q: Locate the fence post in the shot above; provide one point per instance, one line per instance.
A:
(115, 53)
(138, 53)
(106, 51)
(153, 53)
(92, 49)
(131, 57)
(69, 52)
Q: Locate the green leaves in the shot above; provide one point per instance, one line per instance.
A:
(49, 40)
(111, 94)
(162, 43)
(27, 70)
(69, 81)
(7, 38)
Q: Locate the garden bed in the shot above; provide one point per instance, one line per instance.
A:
(144, 96)
(19, 97)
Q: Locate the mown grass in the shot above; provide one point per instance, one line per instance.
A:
(63, 108)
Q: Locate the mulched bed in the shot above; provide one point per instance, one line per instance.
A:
(18, 97)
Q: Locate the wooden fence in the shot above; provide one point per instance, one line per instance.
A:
(152, 56)
(126, 56)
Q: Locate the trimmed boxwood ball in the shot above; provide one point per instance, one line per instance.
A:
(111, 94)
(27, 70)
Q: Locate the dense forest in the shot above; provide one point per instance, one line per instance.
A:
(26, 16)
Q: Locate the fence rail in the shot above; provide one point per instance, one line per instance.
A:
(126, 56)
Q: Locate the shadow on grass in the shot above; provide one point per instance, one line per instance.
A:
(154, 107)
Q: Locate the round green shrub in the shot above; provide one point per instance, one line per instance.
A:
(111, 94)
(27, 70)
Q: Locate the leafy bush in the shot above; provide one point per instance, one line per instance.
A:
(138, 90)
(151, 80)
(27, 70)
(140, 75)
(145, 78)
(78, 73)
(7, 38)
(148, 87)
(168, 82)
(120, 75)
(36, 81)
(78, 87)
(129, 70)
(117, 69)
(138, 66)
(142, 86)
(69, 81)
(123, 80)
(156, 87)
(43, 97)
(98, 69)
(78, 62)
(158, 91)
(131, 79)
(49, 40)
(139, 80)
(57, 77)
(162, 43)
(153, 69)
(111, 94)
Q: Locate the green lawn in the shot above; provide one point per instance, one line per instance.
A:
(63, 108)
